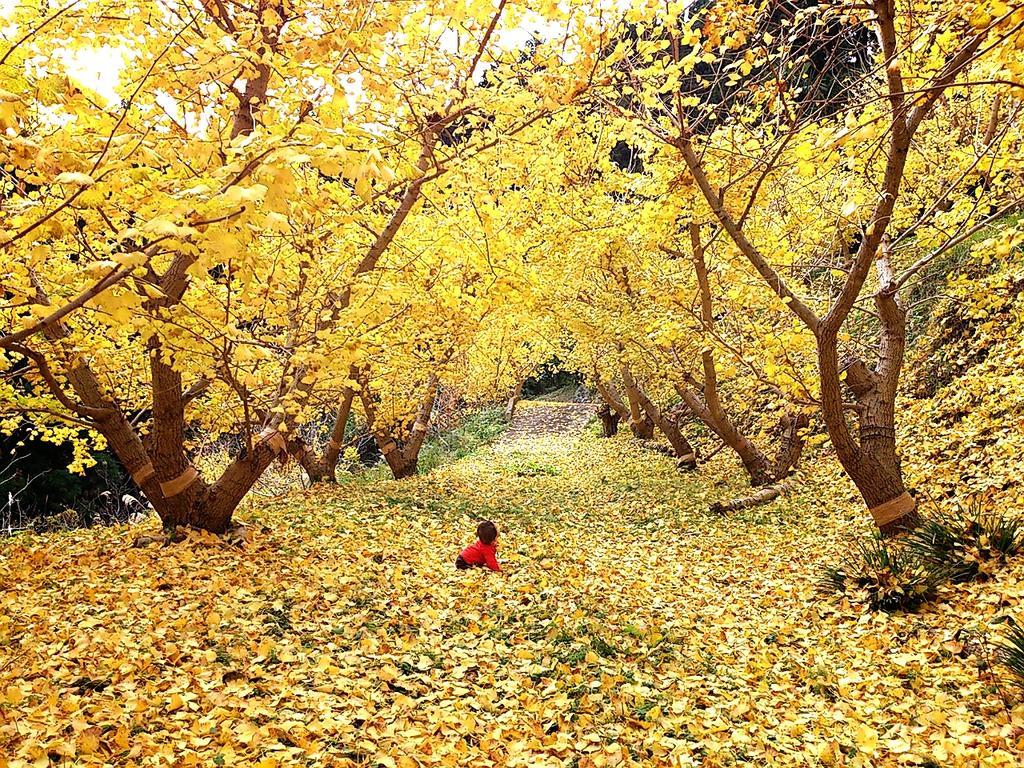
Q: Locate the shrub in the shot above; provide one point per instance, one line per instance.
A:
(884, 576)
(970, 543)
(38, 492)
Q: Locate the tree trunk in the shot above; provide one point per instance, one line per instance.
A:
(873, 465)
(407, 467)
(871, 459)
(680, 445)
(711, 410)
(180, 496)
(610, 397)
(323, 469)
(609, 420)
(337, 440)
(791, 446)
(215, 511)
(642, 429)
(791, 443)
(513, 401)
(402, 458)
(640, 423)
(755, 463)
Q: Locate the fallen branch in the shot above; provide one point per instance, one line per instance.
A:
(762, 496)
(654, 445)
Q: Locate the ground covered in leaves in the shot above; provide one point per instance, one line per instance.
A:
(633, 628)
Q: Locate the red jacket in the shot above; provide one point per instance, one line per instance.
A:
(482, 554)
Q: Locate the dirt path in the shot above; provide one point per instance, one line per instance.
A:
(538, 418)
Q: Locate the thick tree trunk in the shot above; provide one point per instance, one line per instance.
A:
(873, 465)
(407, 467)
(214, 512)
(179, 495)
(871, 459)
(642, 429)
(171, 484)
(167, 438)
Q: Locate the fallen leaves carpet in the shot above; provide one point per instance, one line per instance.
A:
(633, 629)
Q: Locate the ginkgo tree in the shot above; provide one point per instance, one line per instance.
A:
(208, 241)
(815, 203)
(294, 211)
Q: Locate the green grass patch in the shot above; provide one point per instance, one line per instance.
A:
(477, 430)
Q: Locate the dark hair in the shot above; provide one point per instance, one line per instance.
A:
(487, 532)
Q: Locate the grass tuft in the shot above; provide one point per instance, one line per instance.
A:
(885, 576)
(970, 543)
(1011, 652)
(478, 429)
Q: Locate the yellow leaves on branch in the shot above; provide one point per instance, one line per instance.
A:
(72, 178)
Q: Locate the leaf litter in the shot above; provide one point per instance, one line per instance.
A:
(634, 629)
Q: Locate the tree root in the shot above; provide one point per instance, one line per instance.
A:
(146, 539)
(687, 465)
(756, 499)
(163, 538)
(236, 535)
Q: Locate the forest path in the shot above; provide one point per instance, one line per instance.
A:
(542, 418)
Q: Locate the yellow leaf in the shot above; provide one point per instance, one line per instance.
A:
(827, 752)
(89, 741)
(363, 189)
(898, 746)
(72, 178)
(866, 738)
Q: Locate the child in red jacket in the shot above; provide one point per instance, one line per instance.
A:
(484, 552)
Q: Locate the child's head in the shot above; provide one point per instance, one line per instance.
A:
(487, 532)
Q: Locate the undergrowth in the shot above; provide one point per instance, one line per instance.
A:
(476, 430)
(970, 542)
(966, 544)
(1011, 652)
(885, 576)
